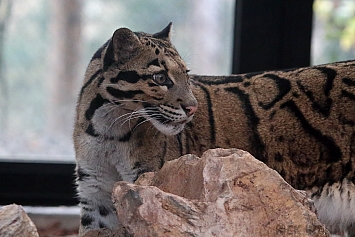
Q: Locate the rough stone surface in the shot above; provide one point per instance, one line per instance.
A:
(227, 192)
(15, 222)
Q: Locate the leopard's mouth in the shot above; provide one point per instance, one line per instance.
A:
(174, 122)
(168, 126)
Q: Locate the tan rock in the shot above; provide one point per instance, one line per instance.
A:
(15, 222)
(227, 192)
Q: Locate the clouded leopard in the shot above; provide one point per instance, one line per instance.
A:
(136, 106)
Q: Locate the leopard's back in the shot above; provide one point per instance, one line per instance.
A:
(300, 122)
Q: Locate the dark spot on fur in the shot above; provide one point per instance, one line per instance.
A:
(81, 174)
(295, 94)
(347, 168)
(272, 114)
(87, 209)
(348, 81)
(86, 220)
(283, 86)
(83, 201)
(137, 165)
(157, 51)
(246, 84)
(126, 137)
(140, 143)
(348, 95)
(278, 157)
(281, 139)
(91, 131)
(331, 74)
(96, 103)
(102, 225)
(103, 211)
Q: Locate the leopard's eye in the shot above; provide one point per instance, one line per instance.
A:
(160, 79)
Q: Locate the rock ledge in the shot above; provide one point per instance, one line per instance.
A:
(226, 192)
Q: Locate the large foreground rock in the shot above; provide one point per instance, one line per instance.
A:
(15, 222)
(224, 193)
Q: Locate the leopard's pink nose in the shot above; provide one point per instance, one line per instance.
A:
(190, 110)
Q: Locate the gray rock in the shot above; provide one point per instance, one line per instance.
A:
(227, 192)
(15, 222)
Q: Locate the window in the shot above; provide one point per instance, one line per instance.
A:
(46, 46)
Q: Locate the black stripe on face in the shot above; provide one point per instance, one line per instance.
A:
(109, 55)
(155, 62)
(92, 78)
(123, 94)
(96, 103)
(91, 131)
(128, 76)
(153, 112)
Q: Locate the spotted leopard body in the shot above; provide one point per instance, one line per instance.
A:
(138, 108)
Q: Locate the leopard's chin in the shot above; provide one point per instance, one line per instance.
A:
(169, 129)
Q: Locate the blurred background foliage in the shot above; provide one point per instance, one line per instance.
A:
(334, 31)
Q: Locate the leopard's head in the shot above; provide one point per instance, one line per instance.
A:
(145, 75)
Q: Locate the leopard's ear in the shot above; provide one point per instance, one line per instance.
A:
(164, 34)
(123, 45)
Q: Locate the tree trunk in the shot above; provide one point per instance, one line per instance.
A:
(64, 76)
(5, 9)
(207, 30)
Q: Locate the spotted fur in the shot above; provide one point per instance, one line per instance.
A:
(136, 106)
(300, 122)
